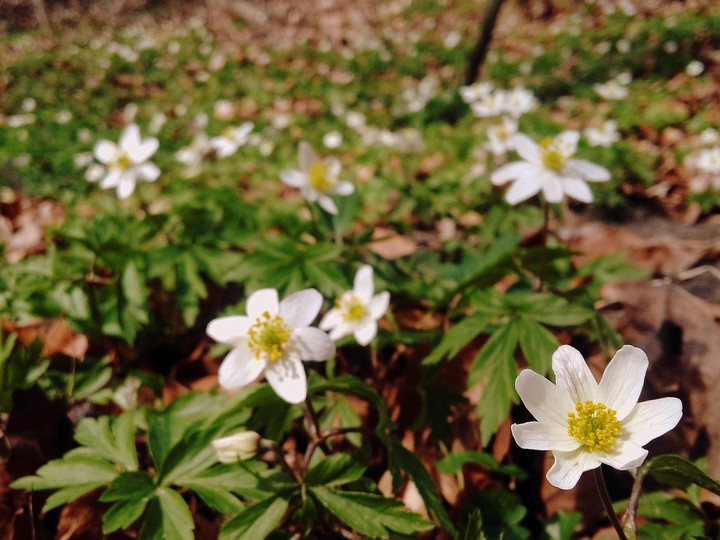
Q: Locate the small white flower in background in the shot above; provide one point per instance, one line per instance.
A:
(519, 101)
(317, 178)
(694, 68)
(709, 136)
(83, 159)
(193, 155)
(239, 446)
(356, 312)
(157, 122)
(125, 163)
(129, 113)
(606, 135)
(273, 338)
(500, 136)
(623, 46)
(126, 395)
(84, 135)
(28, 105)
(670, 46)
(493, 104)
(586, 424)
(22, 160)
(224, 109)
(708, 159)
(612, 89)
(452, 39)
(332, 139)
(63, 117)
(549, 167)
(477, 91)
(18, 120)
(231, 139)
(355, 120)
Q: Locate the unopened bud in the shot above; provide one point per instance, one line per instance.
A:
(237, 447)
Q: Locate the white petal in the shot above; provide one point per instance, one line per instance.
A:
(522, 189)
(343, 188)
(126, 186)
(111, 179)
(623, 380)
(144, 150)
(105, 151)
(228, 329)
(261, 301)
(148, 172)
(95, 172)
(378, 306)
(589, 171)
(287, 378)
(573, 376)
(365, 332)
(239, 368)
(309, 193)
(312, 344)
(552, 188)
(569, 466)
(341, 330)
(293, 178)
(300, 308)
(331, 319)
(327, 204)
(624, 455)
(130, 138)
(568, 140)
(306, 156)
(539, 436)
(577, 189)
(363, 285)
(526, 148)
(512, 171)
(650, 419)
(333, 167)
(545, 401)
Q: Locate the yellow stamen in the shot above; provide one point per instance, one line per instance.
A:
(122, 161)
(595, 425)
(351, 307)
(269, 337)
(553, 155)
(318, 176)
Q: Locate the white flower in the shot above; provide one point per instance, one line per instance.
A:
(519, 101)
(612, 89)
(231, 139)
(709, 136)
(273, 338)
(694, 68)
(240, 446)
(127, 162)
(586, 424)
(708, 159)
(357, 312)
(476, 91)
(605, 135)
(332, 139)
(317, 179)
(18, 120)
(500, 136)
(549, 167)
(193, 155)
(492, 104)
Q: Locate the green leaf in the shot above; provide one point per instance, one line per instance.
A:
(112, 439)
(537, 344)
(454, 461)
(122, 514)
(401, 457)
(244, 478)
(457, 337)
(678, 472)
(220, 499)
(129, 485)
(369, 514)
(256, 521)
(167, 518)
(551, 310)
(338, 469)
(473, 528)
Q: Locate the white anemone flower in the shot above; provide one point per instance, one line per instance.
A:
(476, 91)
(273, 338)
(126, 162)
(611, 90)
(605, 135)
(708, 159)
(549, 167)
(357, 312)
(193, 155)
(500, 136)
(586, 424)
(231, 139)
(317, 178)
(519, 101)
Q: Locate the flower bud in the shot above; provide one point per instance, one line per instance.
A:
(237, 447)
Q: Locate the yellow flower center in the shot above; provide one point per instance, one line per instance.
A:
(351, 307)
(122, 161)
(318, 176)
(269, 337)
(594, 425)
(552, 154)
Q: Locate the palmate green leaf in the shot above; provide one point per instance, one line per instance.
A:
(457, 337)
(123, 513)
(256, 521)
(167, 517)
(129, 485)
(453, 462)
(551, 310)
(74, 475)
(537, 344)
(495, 366)
(678, 472)
(220, 499)
(371, 515)
(113, 439)
(402, 458)
(338, 469)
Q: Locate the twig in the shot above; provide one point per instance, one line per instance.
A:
(477, 57)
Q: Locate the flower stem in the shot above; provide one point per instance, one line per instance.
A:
(544, 237)
(628, 520)
(607, 503)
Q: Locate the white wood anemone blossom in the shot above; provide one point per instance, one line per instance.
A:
(317, 179)
(273, 338)
(549, 167)
(357, 312)
(586, 424)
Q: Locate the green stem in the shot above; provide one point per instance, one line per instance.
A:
(607, 503)
(544, 235)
